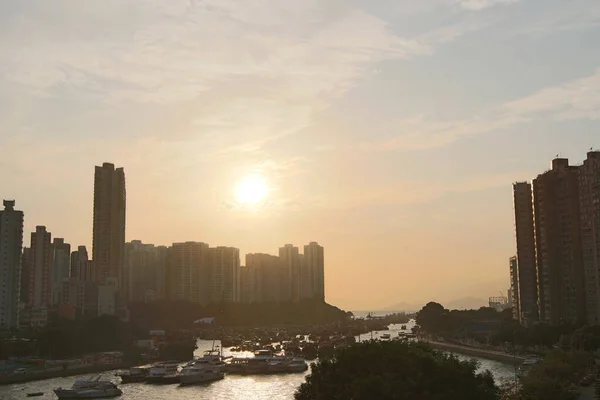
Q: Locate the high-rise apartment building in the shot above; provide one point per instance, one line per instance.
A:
(314, 260)
(526, 262)
(225, 275)
(188, 274)
(141, 265)
(513, 292)
(265, 279)
(82, 268)
(163, 260)
(559, 261)
(25, 269)
(61, 267)
(40, 268)
(11, 243)
(108, 247)
(589, 197)
(290, 259)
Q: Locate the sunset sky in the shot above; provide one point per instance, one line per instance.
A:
(390, 131)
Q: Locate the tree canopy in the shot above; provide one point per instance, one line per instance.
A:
(396, 370)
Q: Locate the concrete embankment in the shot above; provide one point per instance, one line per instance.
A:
(477, 352)
(57, 373)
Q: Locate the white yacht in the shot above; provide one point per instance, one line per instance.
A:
(199, 374)
(164, 373)
(89, 389)
(210, 359)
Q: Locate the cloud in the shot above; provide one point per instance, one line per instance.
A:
(483, 4)
(579, 99)
(237, 73)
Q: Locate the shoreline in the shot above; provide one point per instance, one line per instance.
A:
(43, 375)
(483, 353)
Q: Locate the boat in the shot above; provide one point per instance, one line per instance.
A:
(89, 389)
(35, 394)
(199, 374)
(210, 359)
(264, 362)
(386, 336)
(135, 374)
(164, 373)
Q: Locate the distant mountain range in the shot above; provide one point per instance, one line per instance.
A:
(464, 303)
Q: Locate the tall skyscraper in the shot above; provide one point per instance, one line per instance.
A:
(289, 255)
(314, 258)
(40, 268)
(589, 195)
(526, 264)
(11, 243)
(189, 272)
(61, 266)
(561, 296)
(108, 247)
(514, 286)
(225, 275)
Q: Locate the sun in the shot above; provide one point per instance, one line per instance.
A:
(252, 190)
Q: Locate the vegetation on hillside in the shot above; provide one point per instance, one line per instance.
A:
(396, 370)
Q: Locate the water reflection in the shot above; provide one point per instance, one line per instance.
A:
(267, 387)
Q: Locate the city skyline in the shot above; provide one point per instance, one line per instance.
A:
(393, 127)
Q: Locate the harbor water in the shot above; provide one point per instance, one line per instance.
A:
(233, 387)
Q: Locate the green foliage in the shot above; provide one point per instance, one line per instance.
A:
(556, 377)
(395, 370)
(65, 339)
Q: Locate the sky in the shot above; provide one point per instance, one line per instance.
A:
(389, 131)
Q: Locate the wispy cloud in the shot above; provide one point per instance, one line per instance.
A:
(579, 99)
(483, 4)
(242, 72)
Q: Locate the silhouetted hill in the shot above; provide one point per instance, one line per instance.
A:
(182, 314)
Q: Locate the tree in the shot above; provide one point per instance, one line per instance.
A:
(557, 377)
(396, 370)
(430, 318)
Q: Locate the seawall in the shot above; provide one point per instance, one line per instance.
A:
(57, 373)
(477, 352)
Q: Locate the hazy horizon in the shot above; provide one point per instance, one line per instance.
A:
(390, 132)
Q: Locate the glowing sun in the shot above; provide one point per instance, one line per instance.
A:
(252, 190)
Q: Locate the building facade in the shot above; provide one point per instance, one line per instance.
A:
(61, 267)
(82, 268)
(561, 296)
(513, 291)
(141, 264)
(314, 259)
(526, 260)
(225, 275)
(108, 242)
(589, 197)
(40, 268)
(290, 259)
(265, 279)
(188, 274)
(11, 243)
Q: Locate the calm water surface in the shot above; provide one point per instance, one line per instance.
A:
(271, 387)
